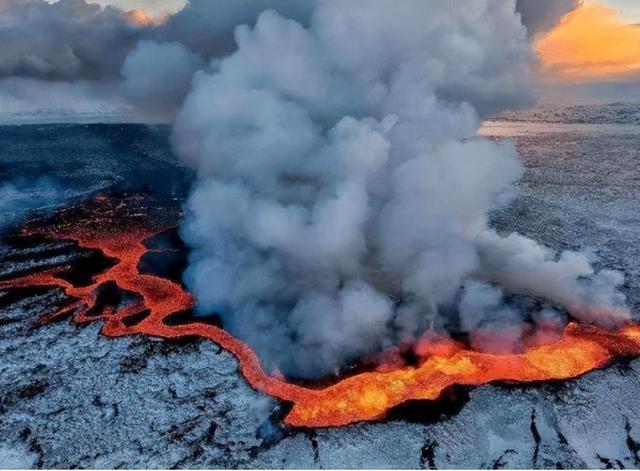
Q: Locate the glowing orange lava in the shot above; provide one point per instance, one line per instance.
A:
(365, 396)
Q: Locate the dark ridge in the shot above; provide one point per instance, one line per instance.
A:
(134, 363)
(24, 241)
(189, 317)
(428, 455)
(499, 463)
(167, 256)
(137, 361)
(108, 294)
(610, 464)
(171, 344)
(134, 319)
(169, 239)
(111, 295)
(313, 439)
(8, 321)
(169, 264)
(42, 250)
(35, 447)
(561, 438)
(32, 389)
(25, 433)
(273, 430)
(536, 437)
(15, 295)
(346, 371)
(83, 270)
(211, 433)
(448, 405)
(633, 445)
(410, 358)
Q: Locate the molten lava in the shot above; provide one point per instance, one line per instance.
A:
(113, 228)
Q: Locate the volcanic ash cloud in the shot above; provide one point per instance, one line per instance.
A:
(342, 198)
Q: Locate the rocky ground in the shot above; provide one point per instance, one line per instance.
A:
(73, 398)
(70, 397)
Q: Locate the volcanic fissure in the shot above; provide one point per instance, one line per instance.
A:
(119, 229)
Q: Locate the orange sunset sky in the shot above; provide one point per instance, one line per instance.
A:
(593, 43)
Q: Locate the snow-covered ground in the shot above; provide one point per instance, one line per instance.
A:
(70, 397)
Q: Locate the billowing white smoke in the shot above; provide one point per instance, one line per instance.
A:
(163, 70)
(342, 196)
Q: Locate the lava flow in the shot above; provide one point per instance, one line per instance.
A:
(119, 232)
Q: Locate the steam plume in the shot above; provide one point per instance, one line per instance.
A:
(542, 15)
(20, 196)
(154, 70)
(342, 197)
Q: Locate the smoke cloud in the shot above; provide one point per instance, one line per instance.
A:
(342, 198)
(20, 196)
(542, 15)
(67, 40)
(155, 70)
(80, 41)
(207, 27)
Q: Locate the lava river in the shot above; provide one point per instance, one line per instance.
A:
(119, 232)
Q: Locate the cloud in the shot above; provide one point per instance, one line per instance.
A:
(68, 40)
(157, 76)
(207, 27)
(81, 41)
(18, 197)
(153, 8)
(542, 15)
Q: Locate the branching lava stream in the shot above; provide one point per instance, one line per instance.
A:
(118, 229)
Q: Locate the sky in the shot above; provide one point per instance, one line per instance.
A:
(593, 43)
(630, 9)
(599, 42)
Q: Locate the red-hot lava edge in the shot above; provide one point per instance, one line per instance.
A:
(111, 228)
